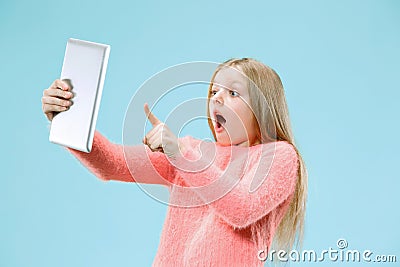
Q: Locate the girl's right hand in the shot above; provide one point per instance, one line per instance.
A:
(56, 99)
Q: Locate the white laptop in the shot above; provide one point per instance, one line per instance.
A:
(85, 65)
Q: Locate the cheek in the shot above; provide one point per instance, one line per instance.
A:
(244, 118)
(245, 113)
(250, 123)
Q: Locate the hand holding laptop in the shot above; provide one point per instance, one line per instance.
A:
(57, 98)
(82, 78)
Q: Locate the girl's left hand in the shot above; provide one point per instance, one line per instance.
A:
(160, 138)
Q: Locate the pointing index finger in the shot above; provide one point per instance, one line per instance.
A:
(152, 118)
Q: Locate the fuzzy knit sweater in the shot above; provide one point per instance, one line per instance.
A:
(225, 202)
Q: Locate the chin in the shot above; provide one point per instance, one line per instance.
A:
(224, 141)
(228, 142)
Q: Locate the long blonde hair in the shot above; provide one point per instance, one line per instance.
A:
(268, 102)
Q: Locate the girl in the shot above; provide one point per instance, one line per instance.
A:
(233, 199)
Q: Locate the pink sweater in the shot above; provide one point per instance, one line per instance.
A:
(208, 226)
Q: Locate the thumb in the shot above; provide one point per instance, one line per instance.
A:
(152, 118)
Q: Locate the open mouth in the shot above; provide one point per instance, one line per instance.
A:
(219, 121)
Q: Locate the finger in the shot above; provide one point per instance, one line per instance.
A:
(158, 149)
(153, 132)
(56, 101)
(152, 118)
(49, 116)
(48, 108)
(57, 93)
(60, 85)
(154, 141)
(155, 144)
(153, 137)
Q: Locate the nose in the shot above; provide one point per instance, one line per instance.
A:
(218, 97)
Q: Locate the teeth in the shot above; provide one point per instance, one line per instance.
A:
(220, 119)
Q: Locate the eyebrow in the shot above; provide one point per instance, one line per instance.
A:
(233, 83)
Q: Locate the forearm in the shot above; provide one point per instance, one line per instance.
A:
(106, 160)
(109, 161)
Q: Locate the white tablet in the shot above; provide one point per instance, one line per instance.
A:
(84, 66)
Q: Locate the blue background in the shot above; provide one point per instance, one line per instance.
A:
(339, 62)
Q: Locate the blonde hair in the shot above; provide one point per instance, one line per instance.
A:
(268, 102)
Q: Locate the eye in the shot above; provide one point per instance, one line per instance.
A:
(233, 93)
(214, 91)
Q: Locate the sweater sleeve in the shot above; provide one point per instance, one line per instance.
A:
(109, 161)
(249, 187)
